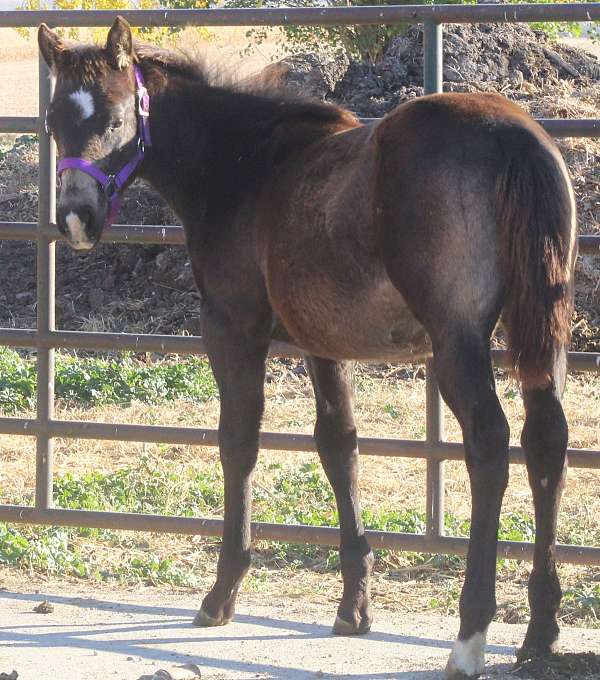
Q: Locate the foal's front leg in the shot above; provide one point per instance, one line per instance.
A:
(335, 435)
(238, 363)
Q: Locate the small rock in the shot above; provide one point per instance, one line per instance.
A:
(44, 607)
(9, 676)
(188, 671)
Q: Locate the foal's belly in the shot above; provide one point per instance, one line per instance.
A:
(372, 322)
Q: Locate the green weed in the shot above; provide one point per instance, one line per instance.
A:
(98, 381)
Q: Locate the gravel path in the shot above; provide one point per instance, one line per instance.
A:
(128, 635)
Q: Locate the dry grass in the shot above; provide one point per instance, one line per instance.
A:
(386, 407)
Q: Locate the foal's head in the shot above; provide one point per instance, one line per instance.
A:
(93, 118)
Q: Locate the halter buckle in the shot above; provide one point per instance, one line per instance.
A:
(143, 101)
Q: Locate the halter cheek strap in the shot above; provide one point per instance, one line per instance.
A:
(113, 184)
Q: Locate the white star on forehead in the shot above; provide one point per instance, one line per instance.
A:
(84, 101)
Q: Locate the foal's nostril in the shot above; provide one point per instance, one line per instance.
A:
(85, 216)
(61, 221)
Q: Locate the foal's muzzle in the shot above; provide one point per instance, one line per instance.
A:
(80, 226)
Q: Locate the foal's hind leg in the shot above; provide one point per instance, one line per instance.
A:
(464, 372)
(238, 363)
(544, 439)
(335, 435)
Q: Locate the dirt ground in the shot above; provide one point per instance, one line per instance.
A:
(127, 635)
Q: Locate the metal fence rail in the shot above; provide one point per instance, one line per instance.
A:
(434, 449)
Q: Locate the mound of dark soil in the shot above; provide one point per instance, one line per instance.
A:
(505, 58)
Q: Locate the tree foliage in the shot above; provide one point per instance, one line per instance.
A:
(365, 42)
(151, 34)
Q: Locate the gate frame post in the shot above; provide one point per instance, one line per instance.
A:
(45, 295)
(433, 83)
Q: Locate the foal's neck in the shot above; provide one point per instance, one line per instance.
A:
(213, 147)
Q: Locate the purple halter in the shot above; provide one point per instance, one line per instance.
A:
(112, 184)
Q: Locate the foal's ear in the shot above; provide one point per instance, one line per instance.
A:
(119, 44)
(51, 46)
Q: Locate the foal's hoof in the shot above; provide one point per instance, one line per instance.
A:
(528, 653)
(454, 673)
(540, 642)
(205, 621)
(467, 659)
(341, 627)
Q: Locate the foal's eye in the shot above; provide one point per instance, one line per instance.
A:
(116, 124)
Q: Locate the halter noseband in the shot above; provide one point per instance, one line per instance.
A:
(113, 183)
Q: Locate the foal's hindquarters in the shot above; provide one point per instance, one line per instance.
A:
(452, 212)
(483, 226)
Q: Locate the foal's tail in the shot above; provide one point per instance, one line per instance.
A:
(536, 213)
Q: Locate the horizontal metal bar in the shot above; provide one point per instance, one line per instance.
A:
(18, 337)
(571, 127)
(144, 233)
(174, 235)
(177, 344)
(18, 124)
(125, 342)
(294, 533)
(121, 342)
(314, 16)
(586, 362)
(117, 233)
(557, 127)
(18, 231)
(274, 441)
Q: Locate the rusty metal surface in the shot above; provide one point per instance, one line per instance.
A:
(315, 16)
(294, 533)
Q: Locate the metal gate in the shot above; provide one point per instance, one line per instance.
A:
(45, 339)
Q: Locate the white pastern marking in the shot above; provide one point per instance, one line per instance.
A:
(544, 483)
(468, 656)
(84, 100)
(77, 237)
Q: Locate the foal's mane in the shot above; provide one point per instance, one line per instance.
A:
(172, 62)
(266, 86)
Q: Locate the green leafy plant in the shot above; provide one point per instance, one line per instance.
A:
(97, 381)
(365, 42)
(555, 28)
